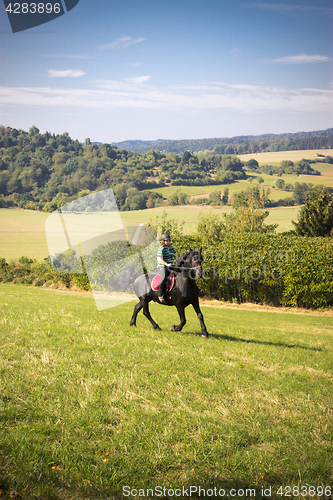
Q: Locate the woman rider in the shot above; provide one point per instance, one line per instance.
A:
(165, 257)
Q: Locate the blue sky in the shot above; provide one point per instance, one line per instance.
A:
(170, 69)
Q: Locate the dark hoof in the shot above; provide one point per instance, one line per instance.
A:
(157, 328)
(132, 324)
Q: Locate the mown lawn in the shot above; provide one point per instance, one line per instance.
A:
(90, 405)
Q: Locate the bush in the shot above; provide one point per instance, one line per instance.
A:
(273, 269)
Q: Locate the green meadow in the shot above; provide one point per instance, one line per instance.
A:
(89, 405)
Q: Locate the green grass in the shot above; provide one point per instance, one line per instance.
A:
(89, 405)
(283, 217)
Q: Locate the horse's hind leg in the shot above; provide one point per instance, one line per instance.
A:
(137, 308)
(148, 316)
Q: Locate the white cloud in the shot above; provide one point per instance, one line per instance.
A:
(138, 79)
(67, 73)
(112, 94)
(300, 59)
(122, 42)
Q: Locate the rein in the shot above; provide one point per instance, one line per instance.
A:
(187, 268)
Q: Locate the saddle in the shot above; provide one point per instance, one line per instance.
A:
(170, 283)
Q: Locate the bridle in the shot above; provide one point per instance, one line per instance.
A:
(186, 268)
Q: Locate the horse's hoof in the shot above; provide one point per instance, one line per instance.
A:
(132, 324)
(157, 328)
(204, 336)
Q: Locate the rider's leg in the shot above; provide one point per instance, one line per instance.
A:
(163, 272)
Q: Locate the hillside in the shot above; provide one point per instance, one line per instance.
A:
(46, 171)
(318, 139)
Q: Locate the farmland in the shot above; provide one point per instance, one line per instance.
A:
(89, 405)
(22, 232)
(274, 158)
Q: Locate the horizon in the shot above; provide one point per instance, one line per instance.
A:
(128, 72)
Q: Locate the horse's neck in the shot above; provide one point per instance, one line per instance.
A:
(186, 266)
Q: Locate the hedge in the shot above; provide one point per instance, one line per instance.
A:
(267, 269)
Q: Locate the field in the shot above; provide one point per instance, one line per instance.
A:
(22, 232)
(90, 405)
(274, 158)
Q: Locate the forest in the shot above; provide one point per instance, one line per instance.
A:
(245, 144)
(45, 171)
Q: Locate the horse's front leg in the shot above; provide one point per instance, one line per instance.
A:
(181, 312)
(148, 316)
(196, 306)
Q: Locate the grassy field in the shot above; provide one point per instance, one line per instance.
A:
(22, 232)
(274, 158)
(90, 405)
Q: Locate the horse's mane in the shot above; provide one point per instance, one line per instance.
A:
(183, 259)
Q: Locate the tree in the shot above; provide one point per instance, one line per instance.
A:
(215, 198)
(280, 183)
(254, 197)
(225, 196)
(316, 217)
(186, 156)
(211, 228)
(249, 214)
(252, 164)
(300, 192)
(150, 203)
(173, 199)
(164, 225)
(249, 220)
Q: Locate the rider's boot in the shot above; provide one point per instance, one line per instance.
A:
(161, 293)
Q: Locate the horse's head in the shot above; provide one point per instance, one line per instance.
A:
(192, 261)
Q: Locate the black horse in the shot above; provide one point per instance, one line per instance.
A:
(184, 293)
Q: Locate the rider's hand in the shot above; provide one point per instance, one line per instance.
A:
(169, 265)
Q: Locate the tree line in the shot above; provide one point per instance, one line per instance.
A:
(319, 139)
